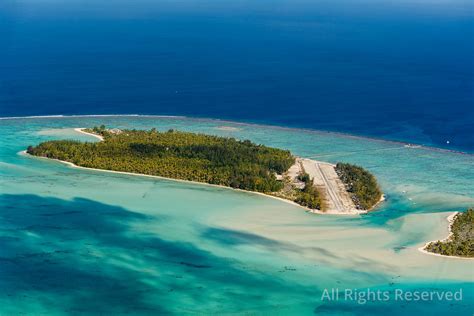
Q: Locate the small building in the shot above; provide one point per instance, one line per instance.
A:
(115, 131)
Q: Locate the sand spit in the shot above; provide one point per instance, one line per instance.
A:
(81, 130)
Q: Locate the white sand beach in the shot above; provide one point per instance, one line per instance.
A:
(450, 220)
(324, 177)
(70, 164)
(81, 130)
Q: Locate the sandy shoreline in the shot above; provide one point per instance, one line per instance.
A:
(380, 201)
(70, 164)
(351, 212)
(81, 130)
(450, 220)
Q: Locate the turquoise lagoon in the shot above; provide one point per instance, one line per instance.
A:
(89, 242)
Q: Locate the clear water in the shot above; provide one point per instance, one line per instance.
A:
(88, 242)
(400, 69)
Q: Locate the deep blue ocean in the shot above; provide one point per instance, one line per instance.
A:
(399, 70)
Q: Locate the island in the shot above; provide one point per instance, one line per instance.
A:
(460, 242)
(361, 184)
(222, 161)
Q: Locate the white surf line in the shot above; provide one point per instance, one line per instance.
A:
(90, 115)
(30, 117)
(269, 125)
(348, 153)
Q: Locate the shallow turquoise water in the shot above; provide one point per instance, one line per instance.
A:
(79, 241)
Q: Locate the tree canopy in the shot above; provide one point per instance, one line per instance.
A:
(361, 184)
(178, 155)
(461, 242)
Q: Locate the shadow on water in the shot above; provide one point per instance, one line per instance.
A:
(326, 257)
(83, 256)
(231, 238)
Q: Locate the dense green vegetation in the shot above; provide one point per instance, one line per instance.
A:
(461, 242)
(178, 155)
(361, 184)
(309, 196)
(206, 158)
